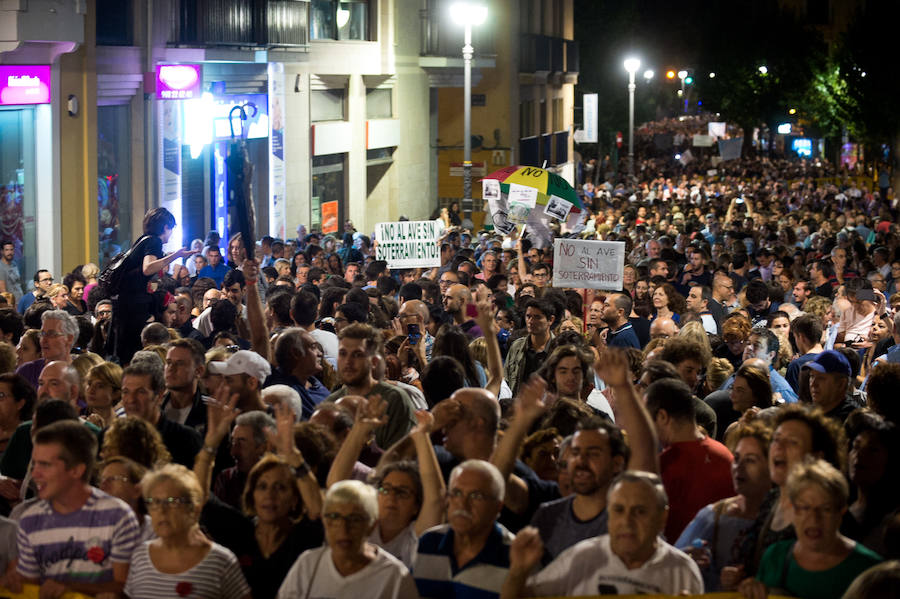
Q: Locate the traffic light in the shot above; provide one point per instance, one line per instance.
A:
(670, 74)
(688, 80)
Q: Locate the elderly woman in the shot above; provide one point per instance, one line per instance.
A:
(711, 536)
(181, 562)
(410, 495)
(349, 567)
(821, 562)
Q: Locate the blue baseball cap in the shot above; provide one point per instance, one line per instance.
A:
(830, 362)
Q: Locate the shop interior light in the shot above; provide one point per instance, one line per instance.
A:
(198, 123)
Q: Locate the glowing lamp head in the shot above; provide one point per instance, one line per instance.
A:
(468, 13)
(632, 65)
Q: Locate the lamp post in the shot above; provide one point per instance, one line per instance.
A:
(683, 75)
(467, 14)
(631, 65)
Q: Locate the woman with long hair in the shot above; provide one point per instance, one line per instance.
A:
(668, 303)
(451, 341)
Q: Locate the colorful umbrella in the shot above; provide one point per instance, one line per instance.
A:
(546, 183)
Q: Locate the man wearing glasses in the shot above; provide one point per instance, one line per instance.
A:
(76, 538)
(43, 281)
(58, 334)
(469, 557)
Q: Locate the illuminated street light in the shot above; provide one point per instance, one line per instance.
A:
(467, 14)
(792, 111)
(648, 74)
(764, 69)
(682, 74)
(631, 65)
(712, 75)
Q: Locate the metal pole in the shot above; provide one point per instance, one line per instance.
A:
(467, 123)
(631, 87)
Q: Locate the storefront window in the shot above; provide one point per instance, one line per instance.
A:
(328, 191)
(113, 181)
(17, 188)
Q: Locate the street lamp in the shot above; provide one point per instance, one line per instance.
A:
(467, 14)
(682, 75)
(648, 74)
(631, 65)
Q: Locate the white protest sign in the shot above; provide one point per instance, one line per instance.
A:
(409, 244)
(588, 264)
(558, 208)
(490, 189)
(716, 129)
(521, 200)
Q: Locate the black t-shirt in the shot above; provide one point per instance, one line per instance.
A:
(265, 574)
(134, 282)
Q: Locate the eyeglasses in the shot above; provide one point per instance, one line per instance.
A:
(352, 520)
(50, 334)
(473, 496)
(45, 280)
(167, 503)
(398, 492)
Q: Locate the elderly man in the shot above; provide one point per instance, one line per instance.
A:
(829, 384)
(468, 557)
(663, 328)
(59, 380)
(59, 330)
(631, 560)
(297, 357)
(143, 385)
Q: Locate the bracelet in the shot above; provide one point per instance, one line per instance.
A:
(210, 449)
(301, 470)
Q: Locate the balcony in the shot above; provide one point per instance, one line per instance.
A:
(240, 23)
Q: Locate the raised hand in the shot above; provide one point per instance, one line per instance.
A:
(424, 423)
(485, 318)
(446, 412)
(371, 413)
(219, 418)
(526, 550)
(612, 367)
(283, 438)
(250, 267)
(531, 402)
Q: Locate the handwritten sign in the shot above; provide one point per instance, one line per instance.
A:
(408, 244)
(588, 264)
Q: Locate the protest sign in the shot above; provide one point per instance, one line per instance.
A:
(730, 149)
(716, 129)
(588, 264)
(408, 244)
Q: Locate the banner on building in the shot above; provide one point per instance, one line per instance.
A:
(330, 217)
(588, 264)
(171, 138)
(408, 244)
(589, 106)
(277, 184)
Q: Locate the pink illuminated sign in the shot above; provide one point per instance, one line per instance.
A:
(24, 84)
(179, 81)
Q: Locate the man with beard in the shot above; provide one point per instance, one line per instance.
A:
(616, 310)
(598, 453)
(359, 351)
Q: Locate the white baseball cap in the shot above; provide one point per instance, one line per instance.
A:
(243, 362)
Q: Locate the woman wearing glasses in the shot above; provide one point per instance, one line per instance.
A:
(410, 494)
(181, 561)
(349, 567)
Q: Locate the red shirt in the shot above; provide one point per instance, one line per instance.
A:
(694, 474)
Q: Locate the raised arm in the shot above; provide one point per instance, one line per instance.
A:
(259, 332)
(529, 406)
(432, 511)
(494, 357)
(220, 416)
(153, 265)
(283, 439)
(369, 416)
(631, 414)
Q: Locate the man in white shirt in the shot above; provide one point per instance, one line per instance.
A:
(632, 559)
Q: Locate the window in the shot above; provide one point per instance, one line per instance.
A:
(337, 20)
(327, 104)
(328, 185)
(379, 103)
(114, 176)
(114, 23)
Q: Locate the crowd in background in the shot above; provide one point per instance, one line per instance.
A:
(298, 420)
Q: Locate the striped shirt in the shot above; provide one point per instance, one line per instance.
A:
(78, 547)
(437, 574)
(217, 576)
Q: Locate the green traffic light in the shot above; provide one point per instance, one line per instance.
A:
(688, 80)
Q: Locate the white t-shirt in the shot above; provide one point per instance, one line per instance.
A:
(403, 546)
(313, 576)
(591, 568)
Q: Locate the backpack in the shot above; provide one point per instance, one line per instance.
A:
(110, 279)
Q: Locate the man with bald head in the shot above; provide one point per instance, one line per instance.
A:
(663, 328)
(59, 380)
(455, 300)
(416, 312)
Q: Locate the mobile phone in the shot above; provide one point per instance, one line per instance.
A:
(413, 334)
(471, 311)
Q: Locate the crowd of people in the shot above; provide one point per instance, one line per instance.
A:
(296, 420)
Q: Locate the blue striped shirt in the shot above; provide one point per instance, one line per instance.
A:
(437, 575)
(77, 547)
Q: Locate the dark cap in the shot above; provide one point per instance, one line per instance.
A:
(830, 362)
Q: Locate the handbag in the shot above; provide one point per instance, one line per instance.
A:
(110, 279)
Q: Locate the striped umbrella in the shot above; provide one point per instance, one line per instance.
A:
(547, 184)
